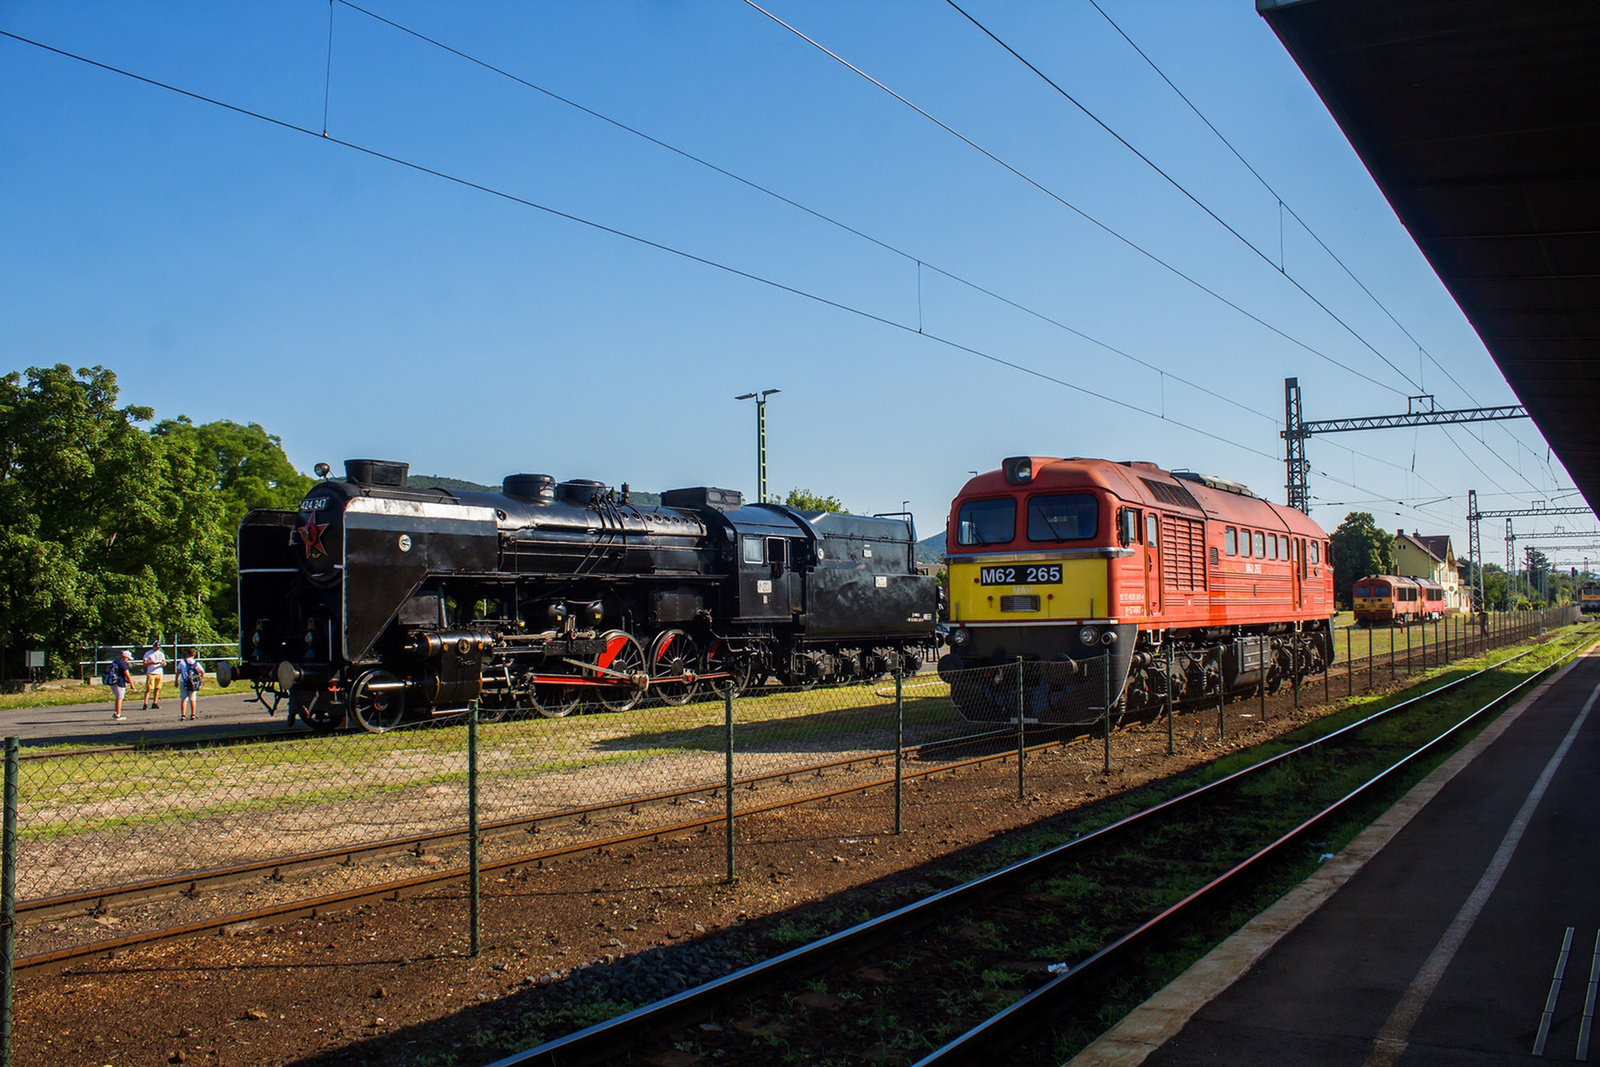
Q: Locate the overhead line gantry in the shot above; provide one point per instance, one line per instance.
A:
(1420, 412)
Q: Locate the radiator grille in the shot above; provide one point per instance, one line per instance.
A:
(1019, 603)
(1183, 554)
(1168, 493)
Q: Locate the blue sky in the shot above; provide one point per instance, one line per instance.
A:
(229, 268)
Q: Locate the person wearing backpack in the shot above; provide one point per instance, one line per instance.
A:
(191, 676)
(119, 677)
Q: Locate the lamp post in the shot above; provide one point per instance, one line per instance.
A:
(761, 439)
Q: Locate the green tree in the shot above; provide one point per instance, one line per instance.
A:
(1359, 549)
(104, 532)
(245, 468)
(806, 500)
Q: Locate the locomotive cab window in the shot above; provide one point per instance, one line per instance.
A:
(775, 553)
(754, 550)
(1065, 517)
(1230, 541)
(1244, 543)
(987, 522)
(1261, 545)
(1362, 590)
(1272, 546)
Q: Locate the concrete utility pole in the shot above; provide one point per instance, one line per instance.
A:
(761, 439)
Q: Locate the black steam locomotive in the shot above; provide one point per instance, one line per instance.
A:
(377, 603)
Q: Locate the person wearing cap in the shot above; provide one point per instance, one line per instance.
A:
(121, 677)
(155, 670)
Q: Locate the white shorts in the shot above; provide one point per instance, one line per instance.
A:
(119, 691)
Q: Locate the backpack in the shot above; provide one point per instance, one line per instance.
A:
(110, 675)
(191, 673)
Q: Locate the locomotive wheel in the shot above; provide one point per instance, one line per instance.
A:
(739, 667)
(555, 701)
(320, 712)
(378, 708)
(624, 655)
(673, 654)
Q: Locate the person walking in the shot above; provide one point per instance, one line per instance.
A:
(190, 677)
(155, 670)
(119, 676)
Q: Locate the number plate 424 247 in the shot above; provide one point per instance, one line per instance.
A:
(1021, 574)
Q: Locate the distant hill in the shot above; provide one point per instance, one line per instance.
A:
(436, 481)
(931, 549)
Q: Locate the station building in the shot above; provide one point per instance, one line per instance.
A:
(1416, 556)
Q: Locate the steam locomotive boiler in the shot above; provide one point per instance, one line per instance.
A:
(376, 603)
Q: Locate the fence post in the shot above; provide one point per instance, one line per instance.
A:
(474, 878)
(1022, 741)
(727, 772)
(1371, 679)
(1349, 668)
(8, 900)
(1107, 672)
(1294, 671)
(1222, 698)
(1264, 645)
(1408, 651)
(1166, 646)
(1327, 665)
(899, 746)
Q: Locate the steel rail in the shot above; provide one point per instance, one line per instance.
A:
(395, 889)
(1024, 1015)
(191, 880)
(615, 1036)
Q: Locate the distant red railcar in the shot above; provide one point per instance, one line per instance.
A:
(1192, 584)
(1390, 600)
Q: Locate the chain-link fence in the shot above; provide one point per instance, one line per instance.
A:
(117, 842)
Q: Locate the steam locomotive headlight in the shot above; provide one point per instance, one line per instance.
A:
(311, 634)
(1088, 635)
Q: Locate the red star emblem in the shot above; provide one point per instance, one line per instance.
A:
(311, 536)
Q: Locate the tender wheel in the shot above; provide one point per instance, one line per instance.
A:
(673, 654)
(379, 701)
(623, 655)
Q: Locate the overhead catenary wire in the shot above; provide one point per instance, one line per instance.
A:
(1285, 206)
(420, 168)
(601, 227)
(920, 262)
(1278, 266)
(1058, 198)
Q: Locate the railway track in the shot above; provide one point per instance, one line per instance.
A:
(196, 883)
(779, 977)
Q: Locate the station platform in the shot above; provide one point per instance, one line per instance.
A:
(1436, 936)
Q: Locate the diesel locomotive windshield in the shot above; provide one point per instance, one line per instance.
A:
(1063, 517)
(987, 522)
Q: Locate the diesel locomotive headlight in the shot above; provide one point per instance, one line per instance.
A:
(1108, 638)
(959, 638)
(1088, 635)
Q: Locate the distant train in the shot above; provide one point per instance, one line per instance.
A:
(1391, 600)
(375, 603)
(1183, 583)
(1589, 598)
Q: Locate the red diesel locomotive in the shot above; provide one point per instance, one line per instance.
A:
(1191, 584)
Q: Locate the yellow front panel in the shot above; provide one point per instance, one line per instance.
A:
(1080, 595)
(1374, 603)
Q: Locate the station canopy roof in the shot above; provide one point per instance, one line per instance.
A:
(1480, 122)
